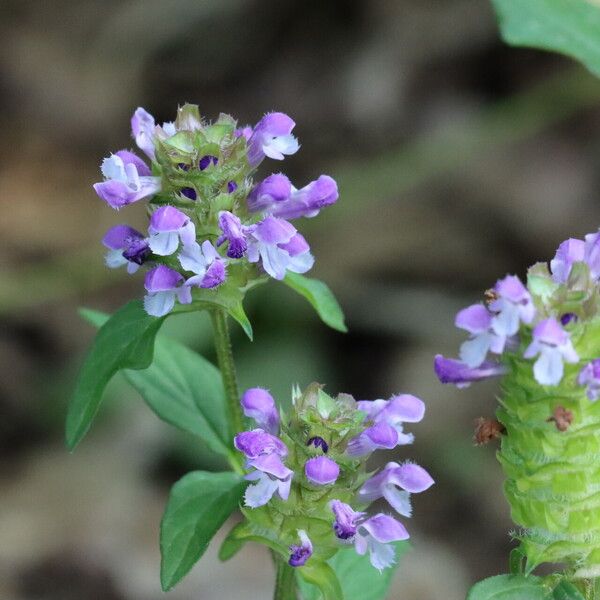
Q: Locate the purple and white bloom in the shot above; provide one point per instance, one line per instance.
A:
(321, 470)
(127, 180)
(279, 247)
(299, 554)
(477, 320)
(276, 196)
(346, 519)
(168, 226)
(264, 452)
(590, 377)
(233, 232)
(592, 253)
(396, 483)
(208, 266)
(143, 129)
(272, 137)
(568, 253)
(553, 345)
(164, 286)
(513, 305)
(458, 373)
(375, 536)
(127, 246)
(271, 477)
(270, 192)
(380, 436)
(403, 408)
(259, 405)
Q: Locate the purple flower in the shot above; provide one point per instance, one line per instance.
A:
(271, 191)
(346, 520)
(590, 377)
(245, 132)
(380, 436)
(553, 345)
(566, 318)
(569, 252)
(231, 187)
(127, 246)
(404, 408)
(276, 195)
(477, 320)
(453, 371)
(259, 405)
(168, 226)
(264, 452)
(321, 470)
(513, 304)
(257, 442)
(592, 253)
(299, 554)
(318, 442)
(233, 232)
(375, 535)
(395, 483)
(128, 180)
(207, 161)
(205, 262)
(143, 129)
(280, 248)
(272, 137)
(189, 193)
(164, 286)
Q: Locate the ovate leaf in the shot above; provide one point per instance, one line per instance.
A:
(510, 587)
(320, 297)
(358, 578)
(571, 27)
(182, 388)
(125, 341)
(199, 504)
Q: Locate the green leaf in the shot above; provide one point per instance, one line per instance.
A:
(359, 579)
(320, 297)
(509, 587)
(237, 312)
(323, 577)
(571, 27)
(182, 388)
(125, 341)
(199, 504)
(566, 591)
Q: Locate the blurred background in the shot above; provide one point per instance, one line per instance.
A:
(458, 158)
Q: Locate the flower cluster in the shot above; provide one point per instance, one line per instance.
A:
(537, 322)
(309, 468)
(209, 222)
(544, 340)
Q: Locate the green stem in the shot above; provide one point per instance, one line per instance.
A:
(222, 343)
(285, 581)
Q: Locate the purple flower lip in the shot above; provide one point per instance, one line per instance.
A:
(231, 187)
(346, 519)
(318, 442)
(137, 251)
(321, 470)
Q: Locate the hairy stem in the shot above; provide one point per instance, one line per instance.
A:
(285, 581)
(227, 367)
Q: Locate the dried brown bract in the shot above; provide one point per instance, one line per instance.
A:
(561, 417)
(487, 430)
